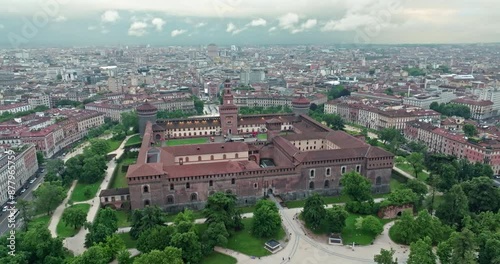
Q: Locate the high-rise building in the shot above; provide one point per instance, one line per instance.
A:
(212, 51)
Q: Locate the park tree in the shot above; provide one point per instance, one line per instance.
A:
(55, 166)
(26, 209)
(221, 207)
(401, 197)
(266, 219)
(334, 121)
(356, 186)
(464, 247)
(455, 206)
(74, 216)
(416, 146)
(417, 187)
(124, 257)
(470, 130)
(421, 252)
(392, 136)
(215, 235)
(48, 196)
(130, 120)
(190, 245)
(170, 255)
(155, 238)
(385, 257)
(104, 226)
(372, 225)
(93, 169)
(335, 218)
(40, 158)
(147, 218)
(405, 228)
(416, 160)
(443, 252)
(99, 146)
(97, 254)
(447, 177)
(37, 246)
(489, 248)
(482, 195)
(314, 211)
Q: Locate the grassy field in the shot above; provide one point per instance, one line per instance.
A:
(123, 220)
(129, 242)
(218, 258)
(64, 230)
(350, 234)
(41, 219)
(134, 140)
(262, 136)
(119, 179)
(113, 144)
(403, 165)
(186, 141)
(78, 194)
(245, 243)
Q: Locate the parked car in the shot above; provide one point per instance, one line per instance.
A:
(23, 190)
(32, 180)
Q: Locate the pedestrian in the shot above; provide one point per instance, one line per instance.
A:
(288, 258)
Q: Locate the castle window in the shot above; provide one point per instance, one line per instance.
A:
(342, 169)
(378, 181)
(358, 168)
(328, 172)
(211, 157)
(311, 185)
(327, 184)
(236, 155)
(312, 173)
(146, 203)
(170, 199)
(194, 197)
(199, 158)
(106, 199)
(171, 186)
(233, 181)
(113, 198)
(224, 156)
(255, 185)
(188, 185)
(211, 183)
(145, 189)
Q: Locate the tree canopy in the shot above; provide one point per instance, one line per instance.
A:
(266, 219)
(356, 186)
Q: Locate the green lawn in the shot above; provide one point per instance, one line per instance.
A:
(123, 218)
(64, 230)
(78, 194)
(403, 165)
(350, 234)
(218, 258)
(186, 141)
(119, 179)
(262, 136)
(134, 140)
(45, 219)
(245, 243)
(113, 144)
(129, 242)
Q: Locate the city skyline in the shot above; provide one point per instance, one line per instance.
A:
(73, 23)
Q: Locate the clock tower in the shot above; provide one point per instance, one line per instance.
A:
(228, 112)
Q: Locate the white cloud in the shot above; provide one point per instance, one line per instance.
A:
(91, 28)
(272, 29)
(310, 23)
(348, 23)
(138, 29)
(230, 27)
(110, 16)
(201, 24)
(2, 26)
(60, 19)
(288, 21)
(257, 22)
(177, 32)
(158, 23)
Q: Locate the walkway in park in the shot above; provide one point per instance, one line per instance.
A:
(76, 243)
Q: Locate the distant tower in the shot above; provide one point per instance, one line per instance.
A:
(300, 106)
(212, 51)
(146, 112)
(228, 112)
(273, 127)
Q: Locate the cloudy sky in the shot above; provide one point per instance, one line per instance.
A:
(26, 23)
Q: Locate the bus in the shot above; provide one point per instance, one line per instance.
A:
(236, 139)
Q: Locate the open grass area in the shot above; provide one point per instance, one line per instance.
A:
(81, 194)
(63, 230)
(129, 241)
(186, 141)
(113, 144)
(246, 243)
(352, 235)
(402, 164)
(123, 218)
(218, 258)
(134, 140)
(119, 179)
(44, 220)
(262, 136)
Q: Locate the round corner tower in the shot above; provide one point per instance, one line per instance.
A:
(300, 105)
(146, 112)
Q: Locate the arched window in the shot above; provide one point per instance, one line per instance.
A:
(170, 199)
(328, 172)
(145, 189)
(146, 203)
(342, 169)
(188, 185)
(311, 185)
(233, 181)
(378, 181)
(211, 183)
(187, 159)
(199, 158)
(327, 184)
(171, 186)
(211, 157)
(311, 173)
(224, 156)
(236, 155)
(194, 197)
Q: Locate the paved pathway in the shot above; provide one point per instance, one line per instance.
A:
(76, 243)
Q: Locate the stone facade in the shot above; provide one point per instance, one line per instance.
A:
(394, 211)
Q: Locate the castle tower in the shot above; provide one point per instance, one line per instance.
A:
(273, 127)
(228, 112)
(300, 106)
(146, 112)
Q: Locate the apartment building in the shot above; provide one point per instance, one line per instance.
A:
(479, 109)
(15, 108)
